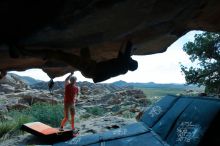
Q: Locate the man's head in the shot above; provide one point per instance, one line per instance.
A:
(73, 80)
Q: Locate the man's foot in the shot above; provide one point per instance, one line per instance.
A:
(75, 131)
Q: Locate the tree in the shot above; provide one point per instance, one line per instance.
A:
(205, 51)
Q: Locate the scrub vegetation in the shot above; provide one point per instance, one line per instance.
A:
(46, 113)
(154, 94)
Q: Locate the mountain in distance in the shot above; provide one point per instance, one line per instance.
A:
(153, 85)
(39, 84)
(28, 80)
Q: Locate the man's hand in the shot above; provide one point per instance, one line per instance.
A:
(67, 79)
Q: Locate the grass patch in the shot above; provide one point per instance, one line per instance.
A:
(42, 112)
(45, 113)
(152, 92)
(12, 127)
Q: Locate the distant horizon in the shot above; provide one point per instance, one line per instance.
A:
(102, 82)
(160, 68)
(62, 78)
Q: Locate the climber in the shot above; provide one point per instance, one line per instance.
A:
(50, 85)
(70, 98)
(116, 66)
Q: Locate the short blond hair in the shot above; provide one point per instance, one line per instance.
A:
(73, 79)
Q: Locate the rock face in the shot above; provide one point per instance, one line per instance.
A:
(15, 94)
(95, 99)
(107, 97)
(12, 83)
(102, 124)
(96, 37)
(101, 107)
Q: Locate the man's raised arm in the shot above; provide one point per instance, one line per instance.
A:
(67, 80)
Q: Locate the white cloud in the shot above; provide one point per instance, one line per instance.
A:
(34, 73)
(78, 74)
(161, 67)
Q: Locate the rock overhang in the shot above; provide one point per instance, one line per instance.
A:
(96, 37)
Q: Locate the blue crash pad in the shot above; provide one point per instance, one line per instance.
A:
(174, 121)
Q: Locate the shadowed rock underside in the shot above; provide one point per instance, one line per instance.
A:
(96, 37)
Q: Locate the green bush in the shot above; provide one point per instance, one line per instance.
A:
(96, 111)
(46, 113)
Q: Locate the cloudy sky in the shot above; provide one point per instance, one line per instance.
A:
(158, 68)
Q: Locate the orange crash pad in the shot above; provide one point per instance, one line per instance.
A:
(47, 132)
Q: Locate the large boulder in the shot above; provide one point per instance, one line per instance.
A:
(12, 83)
(96, 37)
(23, 100)
(5, 88)
(101, 124)
(32, 97)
